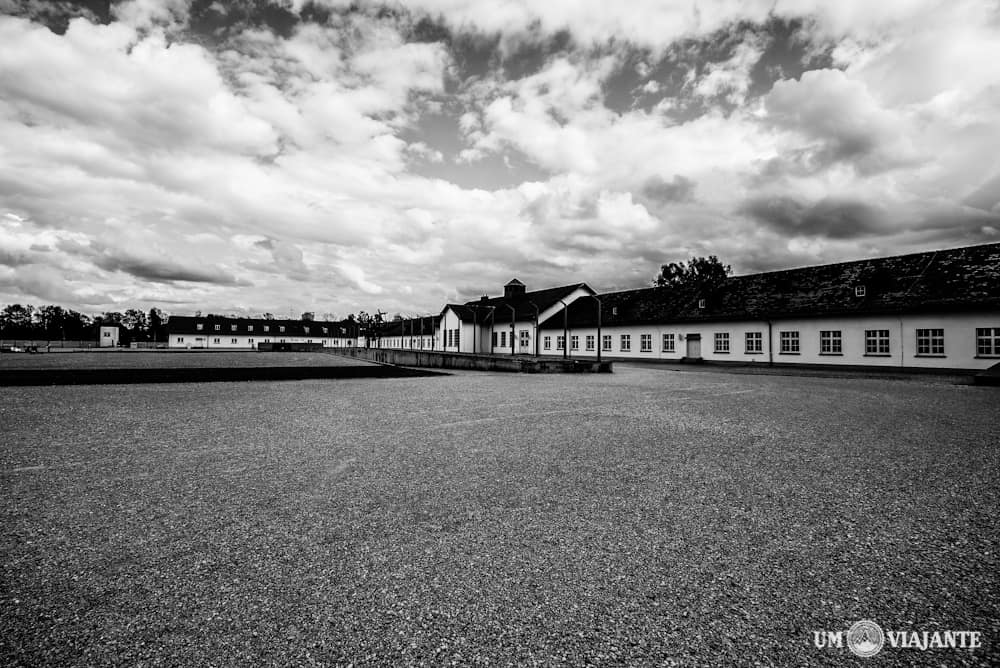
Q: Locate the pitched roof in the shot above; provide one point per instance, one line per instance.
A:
(185, 324)
(524, 304)
(965, 278)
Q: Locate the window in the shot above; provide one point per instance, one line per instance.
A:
(216, 340)
(930, 342)
(447, 336)
(876, 342)
(574, 342)
(626, 343)
(232, 328)
(180, 339)
(988, 341)
(859, 291)
(250, 328)
(722, 342)
(590, 341)
(326, 331)
(234, 340)
(525, 339)
(199, 327)
(281, 328)
(218, 327)
(306, 329)
(457, 332)
(503, 339)
(547, 343)
(560, 342)
(494, 340)
(107, 335)
(669, 343)
(790, 343)
(646, 343)
(267, 328)
(754, 343)
(830, 342)
(701, 303)
(606, 342)
(614, 310)
(250, 341)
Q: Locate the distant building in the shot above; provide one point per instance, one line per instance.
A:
(938, 309)
(507, 324)
(108, 336)
(408, 334)
(215, 332)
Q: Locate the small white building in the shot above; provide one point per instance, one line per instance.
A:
(108, 336)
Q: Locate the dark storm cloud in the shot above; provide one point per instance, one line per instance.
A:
(164, 271)
(148, 267)
(679, 189)
(833, 218)
(9, 258)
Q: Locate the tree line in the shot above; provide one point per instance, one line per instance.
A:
(55, 323)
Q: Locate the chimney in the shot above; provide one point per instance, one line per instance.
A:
(514, 288)
(484, 298)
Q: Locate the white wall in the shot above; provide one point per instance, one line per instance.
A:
(108, 337)
(223, 341)
(959, 340)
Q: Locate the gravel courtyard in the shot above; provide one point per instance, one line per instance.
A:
(649, 517)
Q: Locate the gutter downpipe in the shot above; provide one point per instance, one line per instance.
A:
(598, 342)
(536, 325)
(565, 329)
(902, 344)
(770, 345)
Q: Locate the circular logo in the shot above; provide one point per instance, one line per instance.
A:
(865, 638)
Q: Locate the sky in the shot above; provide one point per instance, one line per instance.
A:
(287, 156)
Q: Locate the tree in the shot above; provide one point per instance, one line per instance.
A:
(268, 316)
(697, 272)
(134, 320)
(308, 316)
(156, 324)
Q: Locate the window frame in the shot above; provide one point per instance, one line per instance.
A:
(672, 338)
(876, 340)
(787, 338)
(990, 336)
(930, 342)
(831, 342)
(722, 343)
(625, 343)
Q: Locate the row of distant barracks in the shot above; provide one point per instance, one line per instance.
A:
(938, 309)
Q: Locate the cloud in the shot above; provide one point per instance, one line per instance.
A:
(830, 217)
(162, 270)
(844, 122)
(678, 189)
(333, 156)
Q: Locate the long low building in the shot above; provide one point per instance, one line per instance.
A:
(217, 332)
(938, 309)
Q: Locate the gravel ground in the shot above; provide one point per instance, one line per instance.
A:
(639, 518)
(168, 360)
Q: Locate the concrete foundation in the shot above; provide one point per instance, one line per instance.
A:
(440, 360)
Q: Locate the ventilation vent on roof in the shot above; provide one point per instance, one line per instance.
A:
(859, 291)
(701, 303)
